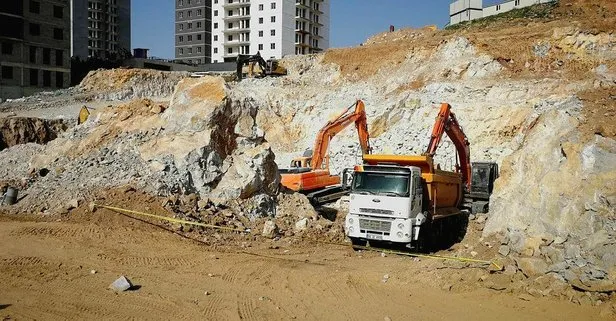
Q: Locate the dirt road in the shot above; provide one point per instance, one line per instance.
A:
(45, 273)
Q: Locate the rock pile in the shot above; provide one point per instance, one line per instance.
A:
(21, 130)
(203, 143)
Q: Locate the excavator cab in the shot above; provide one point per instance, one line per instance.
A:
(483, 176)
(258, 67)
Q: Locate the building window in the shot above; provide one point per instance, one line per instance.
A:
(46, 56)
(230, 13)
(189, 2)
(34, 77)
(273, 5)
(189, 37)
(35, 29)
(181, 26)
(35, 6)
(198, 25)
(59, 58)
(58, 34)
(198, 12)
(497, 7)
(216, 38)
(273, 32)
(260, 7)
(273, 19)
(58, 12)
(46, 78)
(230, 38)
(199, 49)
(260, 46)
(7, 48)
(230, 50)
(180, 2)
(7, 72)
(215, 13)
(260, 33)
(181, 51)
(189, 13)
(517, 2)
(33, 54)
(260, 20)
(198, 37)
(230, 25)
(216, 25)
(189, 25)
(59, 79)
(273, 46)
(181, 15)
(215, 50)
(189, 50)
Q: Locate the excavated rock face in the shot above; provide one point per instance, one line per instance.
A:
(205, 142)
(22, 130)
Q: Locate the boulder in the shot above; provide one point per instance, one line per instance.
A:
(270, 229)
(532, 266)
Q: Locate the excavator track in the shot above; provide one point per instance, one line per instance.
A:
(327, 195)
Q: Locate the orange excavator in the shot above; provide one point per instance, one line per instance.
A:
(446, 122)
(310, 173)
(478, 177)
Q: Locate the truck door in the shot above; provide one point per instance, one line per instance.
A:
(416, 191)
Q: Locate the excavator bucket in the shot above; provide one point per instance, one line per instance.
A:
(84, 113)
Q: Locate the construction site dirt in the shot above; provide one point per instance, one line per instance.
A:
(60, 269)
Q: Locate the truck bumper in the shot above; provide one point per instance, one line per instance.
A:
(396, 230)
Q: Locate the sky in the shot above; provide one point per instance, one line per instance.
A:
(352, 21)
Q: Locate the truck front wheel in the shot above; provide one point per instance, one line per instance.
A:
(358, 242)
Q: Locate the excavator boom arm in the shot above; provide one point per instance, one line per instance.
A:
(358, 116)
(446, 122)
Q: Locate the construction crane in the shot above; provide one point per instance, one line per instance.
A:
(270, 67)
(310, 173)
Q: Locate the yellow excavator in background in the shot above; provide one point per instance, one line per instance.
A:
(256, 66)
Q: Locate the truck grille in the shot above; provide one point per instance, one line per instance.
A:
(376, 211)
(372, 225)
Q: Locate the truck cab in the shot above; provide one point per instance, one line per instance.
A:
(386, 204)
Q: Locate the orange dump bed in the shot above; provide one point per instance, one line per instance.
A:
(444, 188)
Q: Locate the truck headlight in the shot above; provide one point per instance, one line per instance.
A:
(400, 225)
(350, 220)
(399, 234)
(351, 229)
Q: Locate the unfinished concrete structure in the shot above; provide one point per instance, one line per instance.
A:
(100, 28)
(193, 31)
(35, 46)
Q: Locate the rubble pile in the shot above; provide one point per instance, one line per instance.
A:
(203, 143)
(21, 130)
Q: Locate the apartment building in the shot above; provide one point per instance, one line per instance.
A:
(467, 10)
(34, 46)
(193, 31)
(100, 28)
(274, 28)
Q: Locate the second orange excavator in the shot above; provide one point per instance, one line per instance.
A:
(310, 173)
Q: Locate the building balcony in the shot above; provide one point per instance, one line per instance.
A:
(230, 55)
(235, 43)
(236, 4)
(236, 18)
(302, 31)
(235, 30)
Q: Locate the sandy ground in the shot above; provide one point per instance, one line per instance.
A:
(45, 268)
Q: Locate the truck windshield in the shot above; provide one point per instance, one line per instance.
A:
(379, 183)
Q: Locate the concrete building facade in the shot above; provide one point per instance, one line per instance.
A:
(100, 28)
(274, 28)
(467, 10)
(34, 46)
(193, 31)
